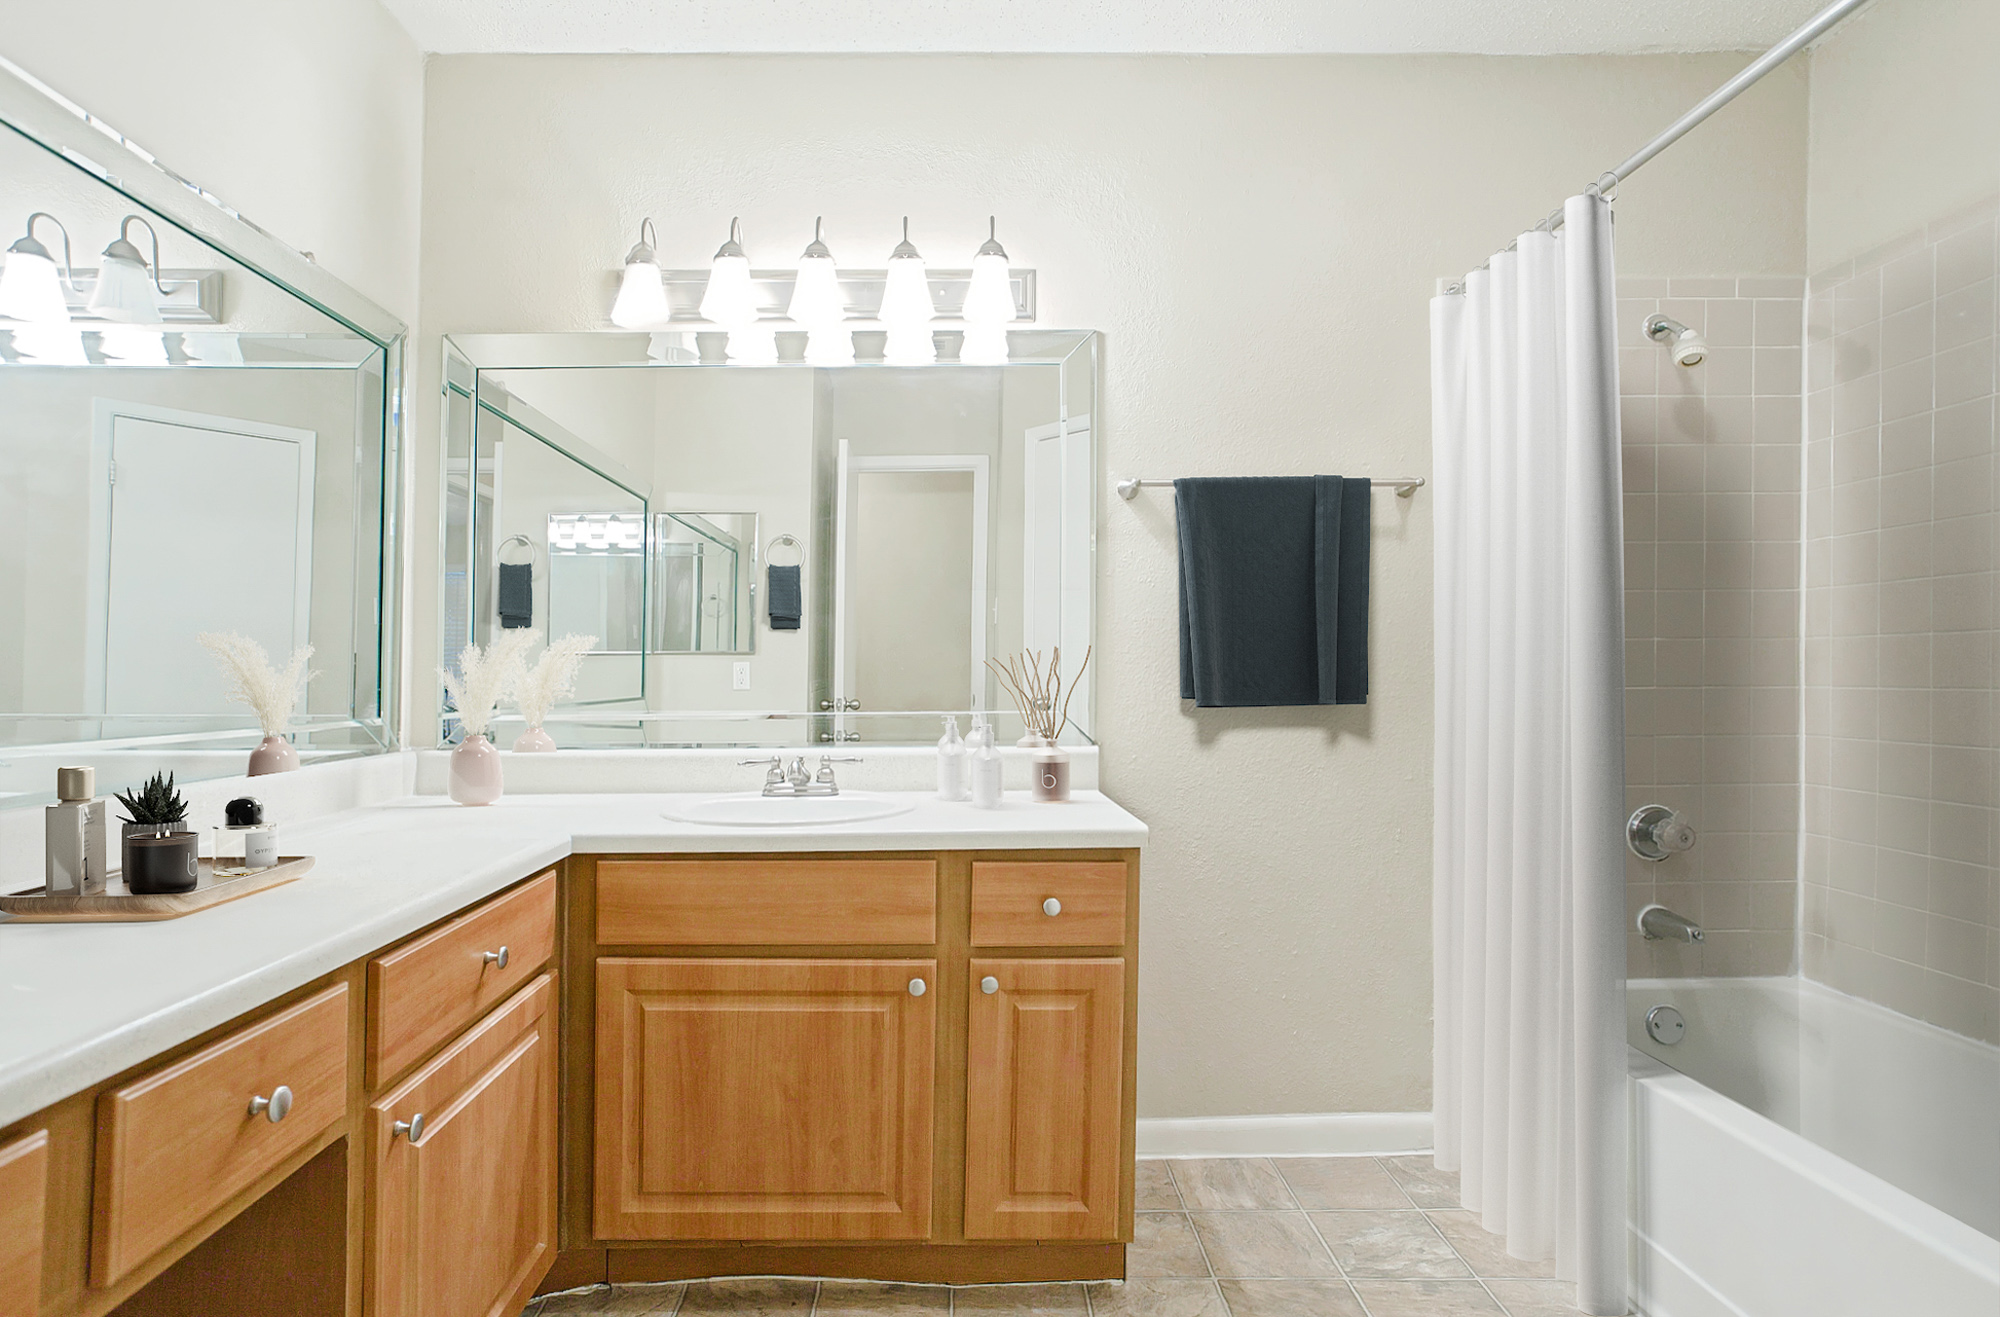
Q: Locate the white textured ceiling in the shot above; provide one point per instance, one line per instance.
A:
(1499, 27)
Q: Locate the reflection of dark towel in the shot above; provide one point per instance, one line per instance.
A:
(786, 598)
(1273, 590)
(516, 595)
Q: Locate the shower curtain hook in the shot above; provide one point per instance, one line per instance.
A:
(1608, 192)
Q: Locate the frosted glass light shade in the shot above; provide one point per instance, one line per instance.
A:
(50, 345)
(642, 297)
(729, 299)
(752, 345)
(909, 345)
(124, 292)
(829, 345)
(989, 299)
(985, 345)
(906, 295)
(30, 289)
(816, 297)
(133, 346)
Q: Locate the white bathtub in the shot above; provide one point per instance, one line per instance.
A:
(1810, 1155)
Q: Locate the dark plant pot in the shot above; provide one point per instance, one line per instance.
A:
(157, 866)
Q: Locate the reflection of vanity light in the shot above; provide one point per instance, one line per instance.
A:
(50, 345)
(752, 345)
(642, 298)
(212, 349)
(125, 284)
(130, 345)
(989, 304)
(906, 307)
(29, 289)
(596, 532)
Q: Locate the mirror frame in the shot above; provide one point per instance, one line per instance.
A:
(46, 118)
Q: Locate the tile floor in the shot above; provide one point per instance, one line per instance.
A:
(1235, 1237)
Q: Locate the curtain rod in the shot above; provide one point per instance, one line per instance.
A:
(1814, 29)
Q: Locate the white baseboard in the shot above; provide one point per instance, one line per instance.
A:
(1325, 1134)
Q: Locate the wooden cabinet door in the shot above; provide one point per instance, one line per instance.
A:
(24, 1203)
(764, 1099)
(462, 1214)
(1044, 1099)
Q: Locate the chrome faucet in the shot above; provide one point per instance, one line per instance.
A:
(1657, 923)
(790, 777)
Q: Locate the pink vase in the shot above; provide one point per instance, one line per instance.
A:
(274, 754)
(475, 772)
(534, 741)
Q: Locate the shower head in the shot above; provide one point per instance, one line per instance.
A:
(1689, 347)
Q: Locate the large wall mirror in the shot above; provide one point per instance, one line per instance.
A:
(206, 448)
(809, 555)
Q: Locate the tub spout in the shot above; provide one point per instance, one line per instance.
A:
(1658, 922)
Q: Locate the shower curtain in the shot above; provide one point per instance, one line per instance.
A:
(1529, 1055)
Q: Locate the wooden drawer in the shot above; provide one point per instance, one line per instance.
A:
(24, 1209)
(1009, 903)
(178, 1144)
(739, 902)
(425, 991)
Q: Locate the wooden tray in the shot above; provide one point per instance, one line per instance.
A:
(115, 905)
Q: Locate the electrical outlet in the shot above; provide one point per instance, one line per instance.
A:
(739, 676)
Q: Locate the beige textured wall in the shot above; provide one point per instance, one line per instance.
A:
(1257, 238)
(1905, 122)
(306, 117)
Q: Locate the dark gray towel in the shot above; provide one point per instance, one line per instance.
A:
(1273, 590)
(785, 598)
(516, 595)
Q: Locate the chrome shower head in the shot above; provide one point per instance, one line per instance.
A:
(1689, 347)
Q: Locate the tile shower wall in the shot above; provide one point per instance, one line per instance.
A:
(1712, 534)
(1901, 903)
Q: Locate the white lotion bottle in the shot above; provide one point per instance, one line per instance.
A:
(76, 835)
(951, 762)
(986, 769)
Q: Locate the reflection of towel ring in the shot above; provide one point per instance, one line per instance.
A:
(792, 540)
(525, 542)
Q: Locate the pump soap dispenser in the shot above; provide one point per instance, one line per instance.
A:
(986, 768)
(951, 762)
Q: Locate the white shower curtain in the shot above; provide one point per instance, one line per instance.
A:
(1529, 1056)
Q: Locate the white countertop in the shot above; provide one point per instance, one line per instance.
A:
(82, 1002)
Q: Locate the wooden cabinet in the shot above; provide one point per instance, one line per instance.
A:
(770, 1099)
(24, 1205)
(463, 1170)
(1044, 1101)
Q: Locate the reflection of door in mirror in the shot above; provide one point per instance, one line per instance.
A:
(199, 523)
(909, 589)
(1056, 547)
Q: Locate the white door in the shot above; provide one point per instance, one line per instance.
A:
(204, 524)
(1056, 576)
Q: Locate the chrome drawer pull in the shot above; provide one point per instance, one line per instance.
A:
(497, 958)
(413, 1128)
(1052, 907)
(275, 1107)
(989, 985)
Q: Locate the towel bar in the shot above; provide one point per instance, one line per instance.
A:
(1404, 486)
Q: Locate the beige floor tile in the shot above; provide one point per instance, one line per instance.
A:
(1153, 1188)
(1262, 1245)
(1535, 1298)
(1158, 1297)
(848, 1298)
(1290, 1298)
(1022, 1300)
(1427, 1298)
(1420, 1178)
(1400, 1244)
(610, 1301)
(1340, 1182)
(749, 1298)
(1483, 1251)
(1231, 1184)
(1163, 1244)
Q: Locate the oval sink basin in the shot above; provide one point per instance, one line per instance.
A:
(750, 810)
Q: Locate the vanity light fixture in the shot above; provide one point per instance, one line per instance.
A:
(906, 307)
(730, 300)
(29, 289)
(989, 303)
(817, 307)
(642, 298)
(126, 287)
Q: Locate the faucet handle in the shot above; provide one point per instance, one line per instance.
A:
(774, 770)
(826, 762)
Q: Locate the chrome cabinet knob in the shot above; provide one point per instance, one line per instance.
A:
(411, 1129)
(918, 987)
(495, 958)
(989, 985)
(275, 1107)
(1052, 907)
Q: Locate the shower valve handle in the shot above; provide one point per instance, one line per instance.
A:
(1654, 832)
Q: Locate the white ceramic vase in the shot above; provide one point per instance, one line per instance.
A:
(475, 772)
(534, 741)
(274, 754)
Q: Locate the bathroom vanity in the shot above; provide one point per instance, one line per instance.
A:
(480, 1054)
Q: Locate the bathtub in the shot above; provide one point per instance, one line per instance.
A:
(1809, 1154)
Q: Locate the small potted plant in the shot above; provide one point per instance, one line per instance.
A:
(160, 855)
(551, 679)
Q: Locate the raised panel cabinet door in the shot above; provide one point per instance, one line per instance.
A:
(462, 1191)
(1044, 1106)
(764, 1099)
(24, 1205)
